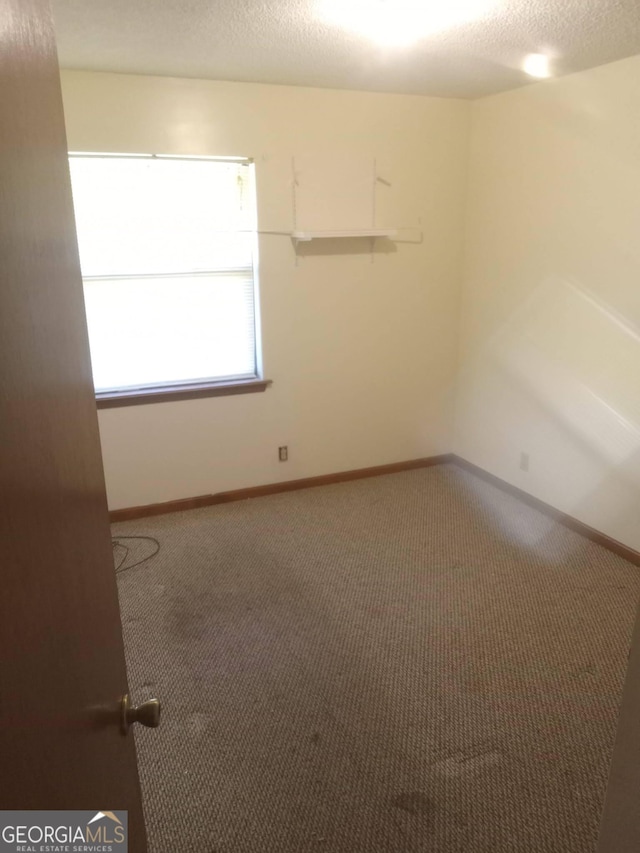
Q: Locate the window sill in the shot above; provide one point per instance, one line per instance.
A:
(171, 393)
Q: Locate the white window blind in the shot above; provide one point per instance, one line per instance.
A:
(167, 250)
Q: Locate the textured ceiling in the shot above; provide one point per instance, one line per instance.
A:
(283, 41)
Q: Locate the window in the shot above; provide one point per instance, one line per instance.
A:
(167, 251)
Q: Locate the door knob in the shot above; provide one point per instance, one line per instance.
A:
(148, 714)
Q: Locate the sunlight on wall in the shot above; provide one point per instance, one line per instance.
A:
(568, 354)
(569, 351)
(550, 314)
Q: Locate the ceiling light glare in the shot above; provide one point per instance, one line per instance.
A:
(396, 23)
(537, 65)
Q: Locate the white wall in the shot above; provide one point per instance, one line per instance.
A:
(362, 356)
(550, 319)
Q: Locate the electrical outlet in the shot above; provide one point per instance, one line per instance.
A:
(524, 461)
(283, 453)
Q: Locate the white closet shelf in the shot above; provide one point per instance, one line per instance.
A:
(305, 236)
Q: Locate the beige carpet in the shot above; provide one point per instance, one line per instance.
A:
(416, 662)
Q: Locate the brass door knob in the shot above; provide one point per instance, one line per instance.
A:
(148, 714)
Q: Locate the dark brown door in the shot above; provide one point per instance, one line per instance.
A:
(62, 670)
(620, 829)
